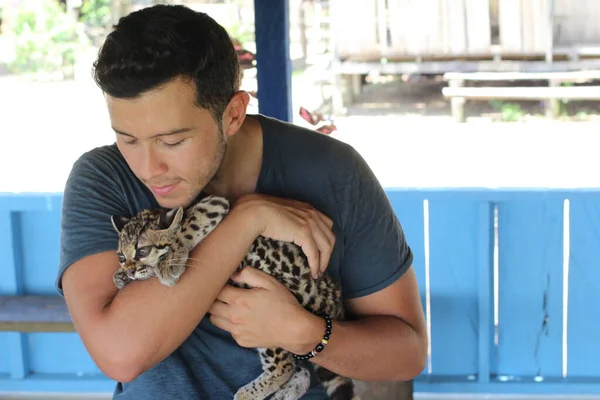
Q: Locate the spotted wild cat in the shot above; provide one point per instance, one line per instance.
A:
(157, 243)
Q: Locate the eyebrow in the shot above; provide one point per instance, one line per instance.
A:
(174, 132)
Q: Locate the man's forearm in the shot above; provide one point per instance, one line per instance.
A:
(375, 348)
(151, 320)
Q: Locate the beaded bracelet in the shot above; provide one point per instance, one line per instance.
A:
(319, 348)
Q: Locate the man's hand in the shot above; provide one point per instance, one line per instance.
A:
(268, 315)
(293, 221)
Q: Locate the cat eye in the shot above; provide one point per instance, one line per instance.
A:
(143, 252)
(121, 258)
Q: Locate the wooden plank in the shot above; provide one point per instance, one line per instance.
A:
(478, 26)
(12, 258)
(524, 93)
(355, 29)
(584, 290)
(41, 230)
(441, 67)
(407, 28)
(34, 314)
(454, 21)
(485, 252)
(576, 21)
(453, 237)
(530, 288)
(524, 76)
(511, 25)
(411, 217)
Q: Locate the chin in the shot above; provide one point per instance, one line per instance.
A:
(175, 201)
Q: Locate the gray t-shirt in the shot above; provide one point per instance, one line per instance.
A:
(370, 251)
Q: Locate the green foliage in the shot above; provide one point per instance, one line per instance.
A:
(509, 112)
(96, 13)
(47, 40)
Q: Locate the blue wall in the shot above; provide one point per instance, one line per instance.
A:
(452, 235)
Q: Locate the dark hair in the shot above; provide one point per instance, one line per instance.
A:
(159, 43)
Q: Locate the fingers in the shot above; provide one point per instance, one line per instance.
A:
(305, 226)
(222, 323)
(308, 208)
(318, 240)
(229, 294)
(255, 278)
(219, 309)
(323, 238)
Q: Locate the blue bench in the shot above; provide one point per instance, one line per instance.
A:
(34, 314)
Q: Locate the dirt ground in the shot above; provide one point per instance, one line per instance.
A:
(422, 96)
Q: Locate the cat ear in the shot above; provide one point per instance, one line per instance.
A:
(119, 222)
(172, 218)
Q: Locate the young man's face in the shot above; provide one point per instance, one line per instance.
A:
(173, 146)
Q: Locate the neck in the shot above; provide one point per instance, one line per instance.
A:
(242, 162)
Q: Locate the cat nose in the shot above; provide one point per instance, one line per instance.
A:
(130, 272)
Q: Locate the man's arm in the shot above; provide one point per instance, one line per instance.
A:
(386, 342)
(127, 332)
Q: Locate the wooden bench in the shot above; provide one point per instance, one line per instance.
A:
(458, 93)
(34, 314)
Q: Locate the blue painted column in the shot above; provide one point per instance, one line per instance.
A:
(11, 258)
(273, 58)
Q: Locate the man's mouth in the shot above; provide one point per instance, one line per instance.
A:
(163, 190)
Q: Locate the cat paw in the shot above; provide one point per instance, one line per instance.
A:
(170, 275)
(295, 388)
(244, 394)
(120, 279)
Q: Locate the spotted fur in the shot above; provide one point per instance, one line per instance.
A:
(169, 236)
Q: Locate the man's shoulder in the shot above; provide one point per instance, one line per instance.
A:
(101, 163)
(308, 147)
(102, 156)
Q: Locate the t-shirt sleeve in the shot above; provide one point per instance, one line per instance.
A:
(376, 252)
(90, 197)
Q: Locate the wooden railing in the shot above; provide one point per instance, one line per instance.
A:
(510, 283)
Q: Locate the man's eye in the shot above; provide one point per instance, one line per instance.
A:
(174, 144)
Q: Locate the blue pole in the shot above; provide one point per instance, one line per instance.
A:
(273, 58)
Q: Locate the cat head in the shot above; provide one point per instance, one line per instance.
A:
(145, 239)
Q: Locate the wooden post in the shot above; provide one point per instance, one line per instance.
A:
(550, 28)
(457, 104)
(18, 345)
(302, 26)
(553, 105)
(274, 73)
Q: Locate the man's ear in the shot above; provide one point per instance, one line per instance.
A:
(171, 219)
(235, 112)
(119, 222)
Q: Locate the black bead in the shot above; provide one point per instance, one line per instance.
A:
(319, 347)
(326, 337)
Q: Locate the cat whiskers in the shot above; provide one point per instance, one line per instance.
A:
(175, 262)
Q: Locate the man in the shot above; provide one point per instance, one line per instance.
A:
(171, 81)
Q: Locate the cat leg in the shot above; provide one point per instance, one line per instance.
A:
(169, 275)
(295, 388)
(169, 272)
(120, 278)
(336, 386)
(278, 367)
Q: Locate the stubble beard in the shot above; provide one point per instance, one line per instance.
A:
(214, 168)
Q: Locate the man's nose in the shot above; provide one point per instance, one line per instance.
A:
(152, 165)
